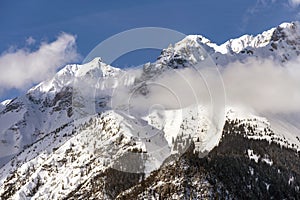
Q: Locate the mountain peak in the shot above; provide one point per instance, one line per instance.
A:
(69, 141)
(288, 24)
(66, 76)
(97, 59)
(97, 68)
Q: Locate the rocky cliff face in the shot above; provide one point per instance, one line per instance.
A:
(61, 141)
(238, 168)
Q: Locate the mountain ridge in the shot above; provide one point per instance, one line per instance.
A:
(62, 145)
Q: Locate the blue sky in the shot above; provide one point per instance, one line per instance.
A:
(93, 21)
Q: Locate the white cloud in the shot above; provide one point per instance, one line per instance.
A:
(30, 41)
(20, 68)
(294, 3)
(264, 85)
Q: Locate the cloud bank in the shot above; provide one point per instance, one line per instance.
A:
(262, 85)
(21, 68)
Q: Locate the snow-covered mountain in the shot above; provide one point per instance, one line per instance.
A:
(74, 136)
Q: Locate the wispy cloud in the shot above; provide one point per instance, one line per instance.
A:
(253, 10)
(262, 6)
(20, 68)
(30, 40)
(294, 3)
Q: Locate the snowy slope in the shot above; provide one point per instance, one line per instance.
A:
(65, 131)
(44, 108)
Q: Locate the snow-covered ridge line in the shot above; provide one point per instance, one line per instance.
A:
(236, 45)
(67, 75)
(39, 117)
(233, 46)
(259, 128)
(184, 53)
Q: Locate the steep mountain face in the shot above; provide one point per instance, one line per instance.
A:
(45, 108)
(238, 168)
(66, 139)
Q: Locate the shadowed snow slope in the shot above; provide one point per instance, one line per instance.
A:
(63, 138)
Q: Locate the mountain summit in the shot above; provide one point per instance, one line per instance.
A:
(75, 137)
